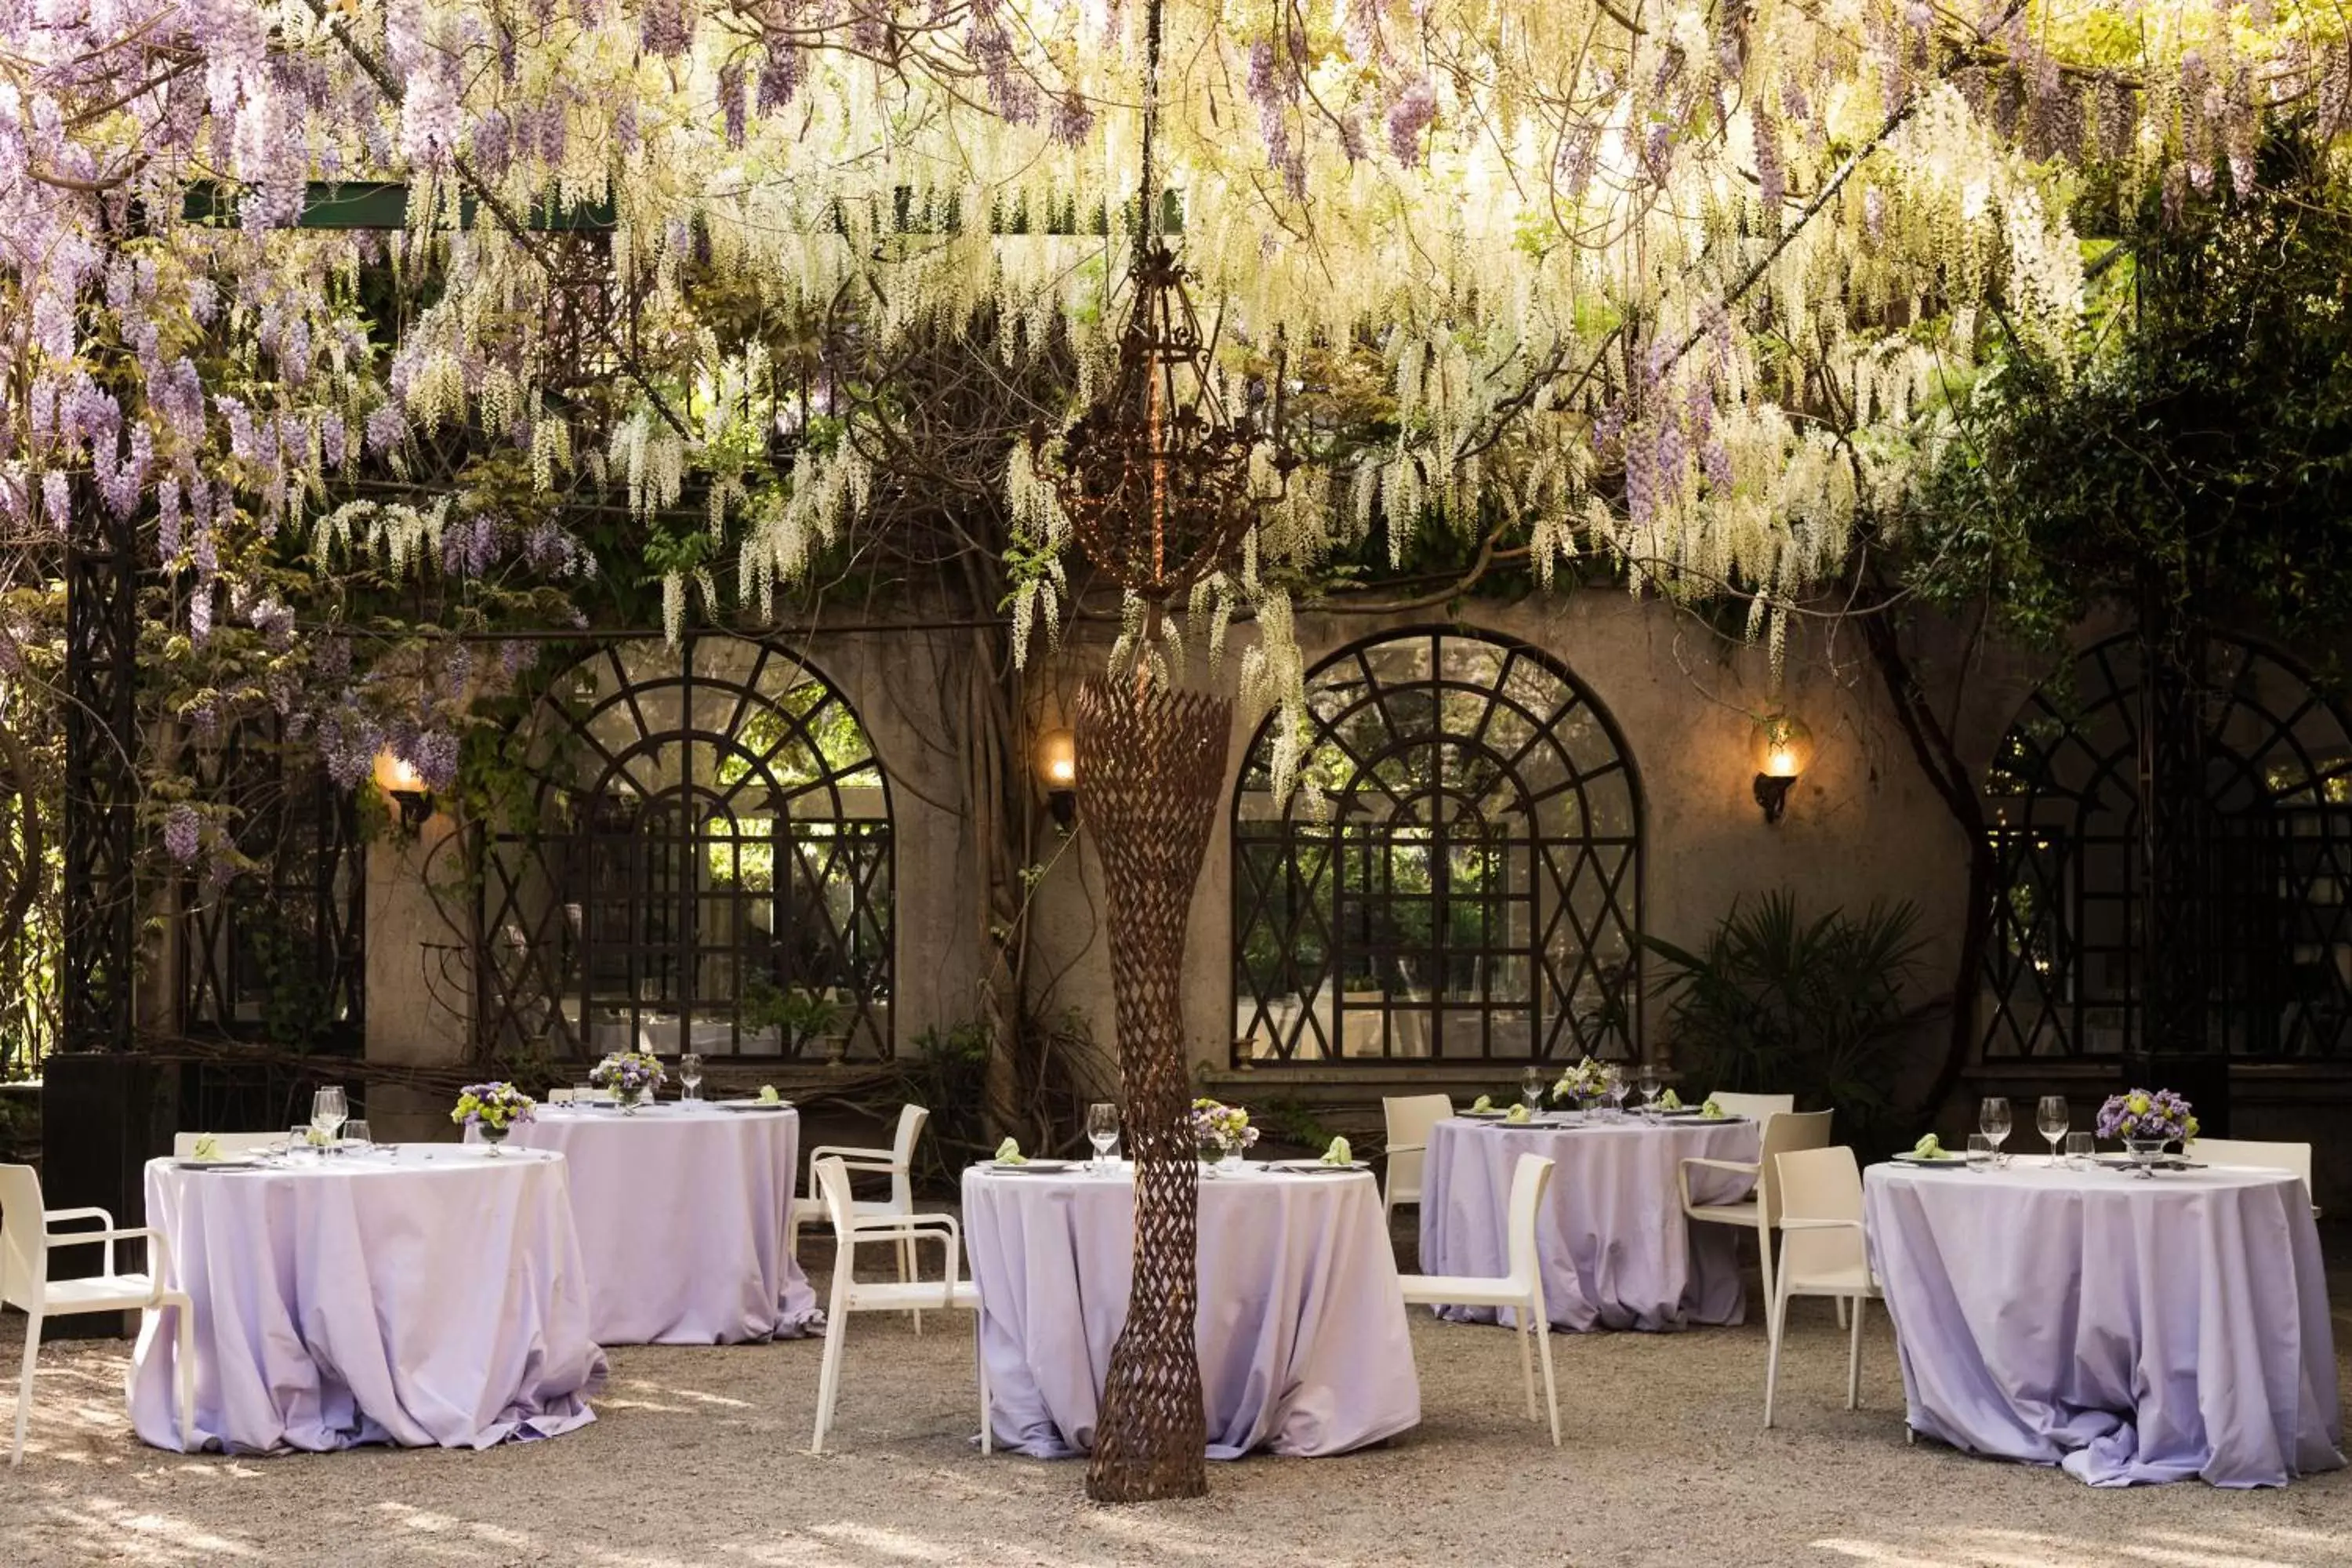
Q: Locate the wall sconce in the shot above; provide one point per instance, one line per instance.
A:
(1058, 770)
(404, 787)
(1784, 748)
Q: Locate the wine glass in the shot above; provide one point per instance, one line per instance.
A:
(689, 1074)
(328, 1111)
(1531, 1088)
(1615, 1080)
(2052, 1120)
(1102, 1130)
(1993, 1120)
(1652, 1081)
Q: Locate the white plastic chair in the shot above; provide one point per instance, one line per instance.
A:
(896, 1161)
(231, 1144)
(850, 1295)
(2291, 1157)
(1756, 1108)
(1821, 1254)
(1783, 1134)
(26, 1238)
(1521, 1289)
(1410, 1118)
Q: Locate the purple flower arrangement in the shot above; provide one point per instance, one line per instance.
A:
(2142, 1114)
(1216, 1125)
(629, 1074)
(496, 1106)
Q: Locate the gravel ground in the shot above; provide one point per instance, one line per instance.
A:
(700, 1457)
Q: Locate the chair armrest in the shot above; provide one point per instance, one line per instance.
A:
(1407, 1149)
(1737, 1167)
(51, 1216)
(913, 1226)
(1788, 1224)
(856, 1159)
(109, 1236)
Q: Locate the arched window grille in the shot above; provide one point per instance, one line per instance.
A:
(1458, 877)
(709, 865)
(2063, 965)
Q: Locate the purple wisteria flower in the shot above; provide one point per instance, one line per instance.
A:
(183, 833)
(1408, 117)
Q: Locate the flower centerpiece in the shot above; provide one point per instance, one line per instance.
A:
(1220, 1131)
(632, 1075)
(1584, 1083)
(2146, 1119)
(492, 1110)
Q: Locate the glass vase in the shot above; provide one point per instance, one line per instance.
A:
(2144, 1153)
(491, 1137)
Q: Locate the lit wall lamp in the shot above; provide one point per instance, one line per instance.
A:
(404, 787)
(1784, 748)
(1058, 770)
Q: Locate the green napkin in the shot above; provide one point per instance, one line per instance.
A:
(1670, 1100)
(767, 1095)
(1484, 1102)
(1711, 1111)
(1517, 1114)
(207, 1147)
(1339, 1153)
(1930, 1148)
(1008, 1154)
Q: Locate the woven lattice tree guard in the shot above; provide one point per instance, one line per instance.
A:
(1150, 771)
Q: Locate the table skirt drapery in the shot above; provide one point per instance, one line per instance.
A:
(1301, 1328)
(2131, 1330)
(1616, 1250)
(681, 1211)
(434, 1298)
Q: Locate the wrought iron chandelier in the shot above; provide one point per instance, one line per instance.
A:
(1158, 477)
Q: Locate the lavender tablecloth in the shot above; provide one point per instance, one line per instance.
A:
(1301, 1328)
(1617, 1252)
(681, 1212)
(2131, 1330)
(434, 1298)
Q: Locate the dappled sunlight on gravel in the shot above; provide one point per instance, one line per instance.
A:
(698, 1457)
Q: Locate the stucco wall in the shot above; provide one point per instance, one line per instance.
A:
(1861, 824)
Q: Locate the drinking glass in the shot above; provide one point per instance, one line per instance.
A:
(1531, 1088)
(2053, 1119)
(328, 1111)
(689, 1073)
(1652, 1081)
(1616, 1083)
(2080, 1147)
(1102, 1130)
(359, 1135)
(1993, 1120)
(1980, 1151)
(297, 1140)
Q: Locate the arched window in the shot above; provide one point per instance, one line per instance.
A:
(1458, 877)
(709, 867)
(2063, 965)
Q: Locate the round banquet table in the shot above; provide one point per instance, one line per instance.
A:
(1616, 1250)
(434, 1296)
(2129, 1330)
(1301, 1326)
(681, 1211)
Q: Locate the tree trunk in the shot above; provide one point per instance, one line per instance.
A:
(1151, 769)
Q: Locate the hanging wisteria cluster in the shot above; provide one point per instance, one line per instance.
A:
(1695, 286)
